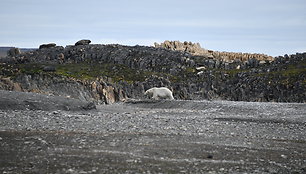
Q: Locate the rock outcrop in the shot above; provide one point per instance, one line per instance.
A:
(133, 69)
(196, 50)
(97, 91)
(13, 52)
(49, 45)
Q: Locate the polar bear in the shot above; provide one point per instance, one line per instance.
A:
(159, 93)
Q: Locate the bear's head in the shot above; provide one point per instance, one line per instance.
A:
(149, 93)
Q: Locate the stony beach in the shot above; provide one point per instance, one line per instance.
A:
(145, 136)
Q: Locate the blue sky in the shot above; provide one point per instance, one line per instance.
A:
(274, 27)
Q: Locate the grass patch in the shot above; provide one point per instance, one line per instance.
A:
(82, 71)
(233, 72)
(91, 71)
(290, 70)
(12, 70)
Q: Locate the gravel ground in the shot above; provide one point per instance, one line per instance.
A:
(156, 137)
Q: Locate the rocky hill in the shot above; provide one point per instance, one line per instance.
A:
(111, 73)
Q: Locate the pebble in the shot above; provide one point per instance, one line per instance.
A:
(210, 156)
(284, 156)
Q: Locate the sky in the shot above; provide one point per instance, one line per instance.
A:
(273, 27)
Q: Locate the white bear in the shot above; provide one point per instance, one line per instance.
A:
(159, 93)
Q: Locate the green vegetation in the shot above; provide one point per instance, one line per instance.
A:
(183, 75)
(82, 71)
(86, 71)
(233, 72)
(294, 70)
(287, 74)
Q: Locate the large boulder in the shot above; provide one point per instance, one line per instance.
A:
(83, 42)
(49, 45)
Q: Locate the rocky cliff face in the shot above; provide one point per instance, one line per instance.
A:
(111, 73)
(89, 90)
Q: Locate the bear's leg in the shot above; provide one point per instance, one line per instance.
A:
(155, 96)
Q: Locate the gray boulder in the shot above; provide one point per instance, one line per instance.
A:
(49, 45)
(83, 42)
(49, 68)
